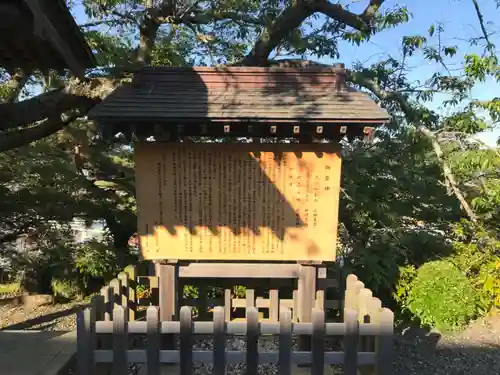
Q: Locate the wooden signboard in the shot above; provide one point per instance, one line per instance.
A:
(238, 201)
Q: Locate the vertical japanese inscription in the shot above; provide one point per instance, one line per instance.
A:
(228, 203)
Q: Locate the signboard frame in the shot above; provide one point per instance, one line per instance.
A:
(291, 217)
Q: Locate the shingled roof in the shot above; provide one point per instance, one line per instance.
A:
(210, 96)
(41, 34)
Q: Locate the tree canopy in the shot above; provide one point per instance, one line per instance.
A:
(426, 188)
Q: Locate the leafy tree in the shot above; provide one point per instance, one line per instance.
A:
(424, 189)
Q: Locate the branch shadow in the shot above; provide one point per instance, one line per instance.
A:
(419, 351)
(44, 319)
(212, 189)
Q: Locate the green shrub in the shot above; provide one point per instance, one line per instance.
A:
(11, 288)
(442, 297)
(67, 289)
(403, 286)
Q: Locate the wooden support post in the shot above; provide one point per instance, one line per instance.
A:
(228, 300)
(306, 295)
(321, 287)
(167, 284)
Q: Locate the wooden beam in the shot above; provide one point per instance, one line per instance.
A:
(239, 270)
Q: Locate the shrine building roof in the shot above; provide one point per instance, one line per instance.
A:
(42, 34)
(232, 99)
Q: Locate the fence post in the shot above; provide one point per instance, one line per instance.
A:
(252, 354)
(116, 286)
(249, 298)
(124, 288)
(384, 342)
(321, 287)
(274, 301)
(318, 342)
(306, 294)
(186, 344)
(351, 298)
(285, 343)
(219, 353)
(349, 286)
(167, 289)
(295, 305)
(375, 306)
(364, 299)
(107, 293)
(97, 303)
(153, 340)
(351, 336)
(85, 342)
(228, 300)
(132, 294)
(120, 341)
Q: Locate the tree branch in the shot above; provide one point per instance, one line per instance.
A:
(148, 29)
(18, 138)
(293, 16)
(288, 20)
(489, 45)
(204, 18)
(124, 16)
(54, 102)
(410, 114)
(361, 22)
(102, 22)
(448, 174)
(15, 85)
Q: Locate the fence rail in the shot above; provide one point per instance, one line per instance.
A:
(104, 329)
(122, 291)
(351, 330)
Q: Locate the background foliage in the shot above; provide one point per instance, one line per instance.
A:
(424, 190)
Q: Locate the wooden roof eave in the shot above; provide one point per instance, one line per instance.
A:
(44, 29)
(214, 121)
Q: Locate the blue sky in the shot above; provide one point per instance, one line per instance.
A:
(459, 22)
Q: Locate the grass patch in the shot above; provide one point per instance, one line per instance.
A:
(10, 288)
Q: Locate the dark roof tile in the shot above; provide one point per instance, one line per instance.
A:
(239, 94)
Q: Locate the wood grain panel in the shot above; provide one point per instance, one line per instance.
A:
(237, 201)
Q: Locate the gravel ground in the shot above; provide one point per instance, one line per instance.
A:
(53, 317)
(475, 351)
